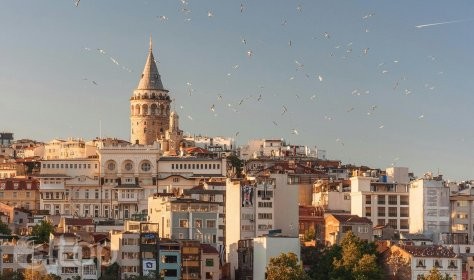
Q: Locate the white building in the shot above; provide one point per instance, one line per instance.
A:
(429, 207)
(382, 199)
(130, 172)
(257, 205)
(267, 247)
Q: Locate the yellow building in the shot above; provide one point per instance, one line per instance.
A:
(20, 193)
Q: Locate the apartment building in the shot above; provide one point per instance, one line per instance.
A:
(184, 218)
(20, 193)
(257, 205)
(384, 199)
(429, 207)
(336, 227)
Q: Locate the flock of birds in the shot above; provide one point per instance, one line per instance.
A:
(343, 51)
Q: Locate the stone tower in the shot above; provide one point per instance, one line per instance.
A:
(149, 106)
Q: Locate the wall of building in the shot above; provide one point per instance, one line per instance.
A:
(268, 247)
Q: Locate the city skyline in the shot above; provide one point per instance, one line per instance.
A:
(371, 83)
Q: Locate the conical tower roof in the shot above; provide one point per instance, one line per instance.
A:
(150, 79)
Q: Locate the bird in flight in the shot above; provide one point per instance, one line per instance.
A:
(76, 3)
(284, 110)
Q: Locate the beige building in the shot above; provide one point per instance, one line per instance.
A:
(20, 193)
(336, 226)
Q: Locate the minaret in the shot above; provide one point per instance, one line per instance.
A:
(149, 106)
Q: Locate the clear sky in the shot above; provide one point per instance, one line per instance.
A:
(355, 78)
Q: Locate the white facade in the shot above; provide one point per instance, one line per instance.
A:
(257, 205)
(130, 171)
(267, 247)
(429, 207)
(384, 202)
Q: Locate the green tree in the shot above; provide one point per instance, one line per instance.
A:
(237, 164)
(30, 274)
(111, 272)
(358, 260)
(286, 267)
(434, 274)
(310, 234)
(41, 232)
(14, 275)
(4, 229)
(353, 259)
(50, 276)
(399, 266)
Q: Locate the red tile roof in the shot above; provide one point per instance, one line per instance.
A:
(18, 184)
(429, 251)
(351, 219)
(78, 222)
(208, 249)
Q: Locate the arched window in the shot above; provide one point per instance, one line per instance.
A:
(153, 95)
(137, 109)
(127, 166)
(167, 110)
(153, 109)
(145, 109)
(162, 110)
(145, 95)
(131, 110)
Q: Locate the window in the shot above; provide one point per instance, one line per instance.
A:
(146, 166)
(265, 204)
(462, 203)
(7, 258)
(89, 270)
(265, 216)
(403, 211)
(453, 264)
(169, 259)
(210, 223)
(381, 211)
(437, 263)
(363, 229)
(380, 222)
(172, 166)
(209, 262)
(198, 223)
(111, 166)
(69, 270)
(170, 272)
(175, 180)
(392, 200)
(368, 211)
(346, 228)
(96, 194)
(404, 224)
(420, 263)
(381, 199)
(368, 199)
(128, 166)
(392, 212)
(183, 223)
(393, 223)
